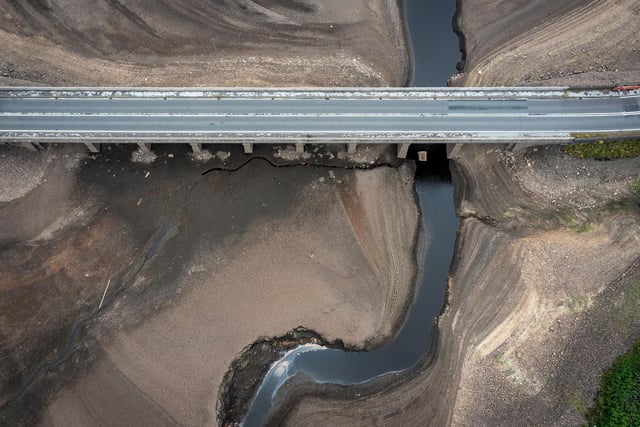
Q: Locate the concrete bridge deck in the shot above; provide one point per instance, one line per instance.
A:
(336, 115)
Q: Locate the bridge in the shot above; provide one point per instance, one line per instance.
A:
(403, 116)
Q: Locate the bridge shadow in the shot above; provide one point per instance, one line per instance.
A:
(437, 164)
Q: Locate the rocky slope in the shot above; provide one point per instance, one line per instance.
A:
(550, 43)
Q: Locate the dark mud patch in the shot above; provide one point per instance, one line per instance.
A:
(248, 370)
(462, 39)
(67, 350)
(27, 408)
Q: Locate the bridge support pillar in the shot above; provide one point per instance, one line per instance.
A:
(525, 145)
(453, 150)
(300, 148)
(351, 148)
(403, 149)
(197, 148)
(31, 146)
(94, 148)
(145, 148)
(248, 148)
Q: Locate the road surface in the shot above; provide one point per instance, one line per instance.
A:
(308, 115)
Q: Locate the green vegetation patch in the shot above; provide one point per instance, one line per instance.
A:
(605, 149)
(579, 225)
(619, 396)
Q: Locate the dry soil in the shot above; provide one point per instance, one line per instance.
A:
(202, 43)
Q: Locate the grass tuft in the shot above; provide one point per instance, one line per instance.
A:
(605, 149)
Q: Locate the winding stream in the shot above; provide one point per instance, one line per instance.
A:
(324, 365)
(435, 54)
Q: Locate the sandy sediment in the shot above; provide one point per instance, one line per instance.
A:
(194, 43)
(21, 171)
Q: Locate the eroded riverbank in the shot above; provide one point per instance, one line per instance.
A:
(529, 300)
(308, 371)
(555, 260)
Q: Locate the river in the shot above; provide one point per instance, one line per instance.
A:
(434, 44)
(324, 365)
(435, 54)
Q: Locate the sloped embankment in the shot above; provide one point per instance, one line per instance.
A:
(572, 253)
(549, 43)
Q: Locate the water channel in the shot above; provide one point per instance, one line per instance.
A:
(435, 54)
(435, 46)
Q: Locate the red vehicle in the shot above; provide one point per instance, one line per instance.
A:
(635, 87)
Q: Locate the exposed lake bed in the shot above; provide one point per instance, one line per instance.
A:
(198, 263)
